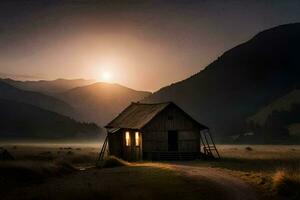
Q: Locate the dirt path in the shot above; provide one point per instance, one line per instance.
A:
(145, 181)
(222, 184)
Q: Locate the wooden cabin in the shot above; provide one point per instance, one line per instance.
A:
(160, 131)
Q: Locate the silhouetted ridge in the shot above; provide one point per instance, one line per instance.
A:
(241, 81)
(34, 98)
(24, 121)
(48, 87)
(101, 102)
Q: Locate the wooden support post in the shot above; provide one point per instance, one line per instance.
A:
(207, 142)
(102, 152)
(201, 140)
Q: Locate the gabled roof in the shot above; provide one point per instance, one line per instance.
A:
(137, 115)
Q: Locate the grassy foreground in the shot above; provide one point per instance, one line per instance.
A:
(57, 172)
(272, 169)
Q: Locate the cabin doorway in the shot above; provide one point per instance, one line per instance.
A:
(172, 141)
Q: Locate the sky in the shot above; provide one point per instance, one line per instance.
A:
(144, 45)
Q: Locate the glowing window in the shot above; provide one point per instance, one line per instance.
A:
(127, 138)
(137, 139)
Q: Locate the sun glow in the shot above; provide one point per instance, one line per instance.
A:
(106, 76)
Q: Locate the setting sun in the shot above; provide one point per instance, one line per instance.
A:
(106, 76)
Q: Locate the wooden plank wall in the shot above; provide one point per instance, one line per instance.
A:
(132, 152)
(155, 134)
(115, 143)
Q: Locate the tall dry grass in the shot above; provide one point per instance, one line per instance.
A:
(113, 161)
(287, 183)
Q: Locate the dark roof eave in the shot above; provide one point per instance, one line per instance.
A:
(133, 128)
(201, 126)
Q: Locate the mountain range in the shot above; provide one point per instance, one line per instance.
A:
(284, 103)
(252, 87)
(101, 102)
(278, 121)
(46, 102)
(63, 115)
(241, 81)
(48, 87)
(24, 121)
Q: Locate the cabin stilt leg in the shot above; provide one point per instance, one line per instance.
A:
(208, 144)
(104, 149)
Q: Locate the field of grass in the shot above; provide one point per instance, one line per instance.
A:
(56, 171)
(259, 165)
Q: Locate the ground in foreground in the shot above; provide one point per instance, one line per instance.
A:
(56, 172)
